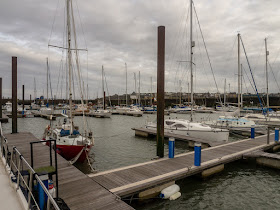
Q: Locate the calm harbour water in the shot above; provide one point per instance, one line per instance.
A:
(240, 186)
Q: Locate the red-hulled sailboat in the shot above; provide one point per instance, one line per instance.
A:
(70, 143)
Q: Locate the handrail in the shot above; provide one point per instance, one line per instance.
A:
(38, 179)
(32, 173)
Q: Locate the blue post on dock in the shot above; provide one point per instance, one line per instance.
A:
(252, 132)
(197, 153)
(277, 134)
(171, 145)
(41, 193)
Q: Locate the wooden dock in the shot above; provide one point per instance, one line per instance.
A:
(46, 116)
(4, 119)
(144, 132)
(127, 181)
(76, 189)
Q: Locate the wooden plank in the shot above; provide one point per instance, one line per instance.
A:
(75, 188)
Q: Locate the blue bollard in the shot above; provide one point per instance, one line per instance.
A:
(252, 132)
(197, 153)
(171, 146)
(277, 134)
(41, 193)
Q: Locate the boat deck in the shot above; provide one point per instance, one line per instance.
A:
(144, 132)
(133, 179)
(76, 189)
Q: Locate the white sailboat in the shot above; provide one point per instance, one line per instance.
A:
(262, 118)
(71, 144)
(190, 128)
(102, 112)
(233, 120)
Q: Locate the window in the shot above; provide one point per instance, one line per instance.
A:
(180, 126)
(169, 122)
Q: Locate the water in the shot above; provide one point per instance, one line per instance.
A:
(239, 186)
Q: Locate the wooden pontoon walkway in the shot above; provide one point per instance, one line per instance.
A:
(75, 188)
(130, 180)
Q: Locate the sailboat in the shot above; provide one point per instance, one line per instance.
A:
(189, 127)
(233, 120)
(70, 143)
(45, 109)
(262, 118)
(102, 113)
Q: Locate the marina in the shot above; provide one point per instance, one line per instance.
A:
(124, 108)
(138, 179)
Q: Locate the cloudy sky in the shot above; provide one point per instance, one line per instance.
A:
(119, 32)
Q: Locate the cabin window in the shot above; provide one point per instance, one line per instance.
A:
(169, 122)
(180, 126)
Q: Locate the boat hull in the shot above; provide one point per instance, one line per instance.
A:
(71, 151)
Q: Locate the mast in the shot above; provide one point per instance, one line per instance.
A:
(125, 84)
(103, 87)
(135, 87)
(69, 63)
(139, 91)
(267, 96)
(238, 37)
(151, 91)
(191, 62)
(225, 92)
(241, 92)
(180, 84)
(47, 82)
(35, 91)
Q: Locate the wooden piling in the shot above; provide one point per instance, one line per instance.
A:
(14, 94)
(160, 91)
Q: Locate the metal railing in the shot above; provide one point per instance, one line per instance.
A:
(16, 163)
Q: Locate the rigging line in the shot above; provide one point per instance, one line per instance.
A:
(243, 70)
(200, 53)
(231, 52)
(81, 23)
(50, 80)
(177, 40)
(273, 74)
(60, 66)
(53, 22)
(107, 88)
(207, 55)
(256, 90)
(78, 69)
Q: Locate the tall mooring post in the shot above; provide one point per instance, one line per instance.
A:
(1, 97)
(22, 99)
(14, 94)
(160, 91)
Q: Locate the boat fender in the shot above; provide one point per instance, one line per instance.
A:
(175, 196)
(171, 190)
